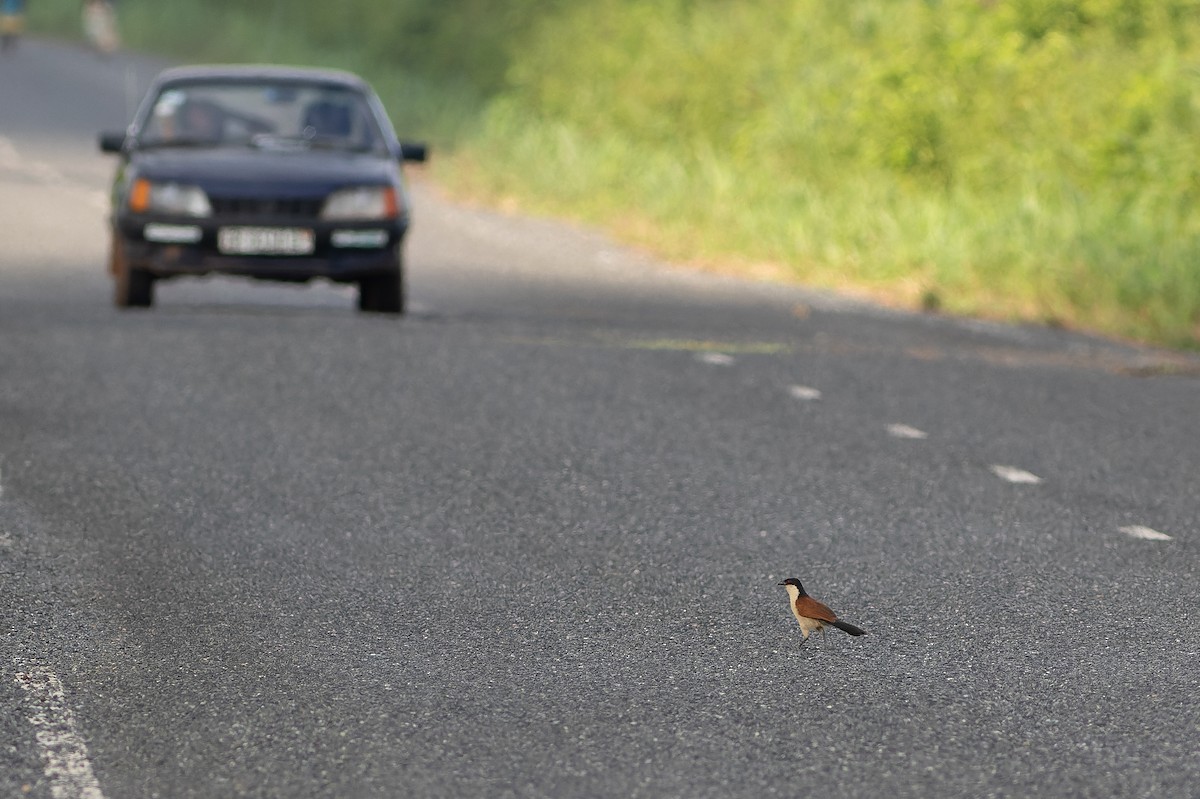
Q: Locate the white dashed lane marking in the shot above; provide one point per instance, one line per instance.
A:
(904, 431)
(1014, 475)
(804, 393)
(64, 754)
(1011, 474)
(1145, 533)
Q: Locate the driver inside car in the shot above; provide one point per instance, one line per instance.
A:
(181, 119)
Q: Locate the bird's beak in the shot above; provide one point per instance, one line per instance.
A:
(780, 583)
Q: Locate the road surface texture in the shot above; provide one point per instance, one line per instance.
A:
(526, 540)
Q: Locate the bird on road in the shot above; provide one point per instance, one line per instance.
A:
(814, 615)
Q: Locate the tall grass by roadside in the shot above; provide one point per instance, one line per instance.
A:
(1030, 159)
(1022, 159)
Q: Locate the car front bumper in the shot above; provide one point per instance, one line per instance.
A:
(339, 262)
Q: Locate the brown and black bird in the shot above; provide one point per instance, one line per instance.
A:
(813, 615)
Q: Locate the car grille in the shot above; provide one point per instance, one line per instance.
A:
(253, 208)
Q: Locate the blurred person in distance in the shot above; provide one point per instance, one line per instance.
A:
(100, 26)
(12, 22)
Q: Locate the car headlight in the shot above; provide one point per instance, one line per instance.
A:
(365, 202)
(151, 197)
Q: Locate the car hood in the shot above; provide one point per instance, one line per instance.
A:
(264, 173)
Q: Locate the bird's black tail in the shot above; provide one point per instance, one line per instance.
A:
(848, 628)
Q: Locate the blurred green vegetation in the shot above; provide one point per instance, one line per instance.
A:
(1033, 159)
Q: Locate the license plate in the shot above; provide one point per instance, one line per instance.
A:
(265, 241)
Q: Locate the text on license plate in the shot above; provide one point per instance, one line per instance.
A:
(265, 241)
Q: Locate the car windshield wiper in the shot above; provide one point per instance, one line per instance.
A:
(338, 143)
(180, 141)
(276, 141)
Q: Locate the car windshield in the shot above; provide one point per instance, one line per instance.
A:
(267, 115)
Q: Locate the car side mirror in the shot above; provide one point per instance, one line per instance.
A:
(111, 142)
(413, 151)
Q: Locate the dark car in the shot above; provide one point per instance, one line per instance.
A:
(276, 173)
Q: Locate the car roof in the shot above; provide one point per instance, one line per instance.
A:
(255, 72)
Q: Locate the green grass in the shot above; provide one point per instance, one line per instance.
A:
(1022, 159)
(1039, 251)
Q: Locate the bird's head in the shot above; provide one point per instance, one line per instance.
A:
(792, 581)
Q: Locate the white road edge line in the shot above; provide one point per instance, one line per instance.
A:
(64, 753)
(1145, 533)
(1014, 475)
(9, 157)
(716, 358)
(49, 175)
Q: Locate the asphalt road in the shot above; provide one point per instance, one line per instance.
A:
(526, 540)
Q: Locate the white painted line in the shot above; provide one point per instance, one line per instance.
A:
(9, 157)
(904, 431)
(1014, 475)
(1145, 533)
(48, 175)
(804, 393)
(45, 172)
(716, 358)
(64, 754)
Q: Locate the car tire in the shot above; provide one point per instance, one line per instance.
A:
(382, 294)
(133, 288)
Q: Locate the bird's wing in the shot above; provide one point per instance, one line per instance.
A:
(811, 608)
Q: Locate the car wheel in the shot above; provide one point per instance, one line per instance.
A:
(134, 288)
(382, 294)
